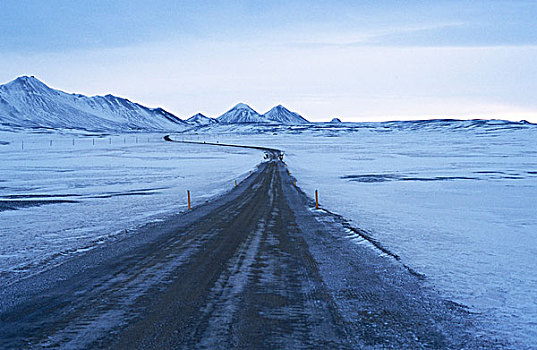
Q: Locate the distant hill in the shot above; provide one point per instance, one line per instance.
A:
(28, 102)
(282, 115)
(242, 113)
(199, 119)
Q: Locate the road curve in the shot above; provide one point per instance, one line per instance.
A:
(257, 268)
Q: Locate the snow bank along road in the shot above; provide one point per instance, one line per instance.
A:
(255, 268)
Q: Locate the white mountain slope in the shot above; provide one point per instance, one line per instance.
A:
(282, 115)
(27, 102)
(199, 120)
(241, 113)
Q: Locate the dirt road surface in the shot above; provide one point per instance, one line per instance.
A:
(257, 268)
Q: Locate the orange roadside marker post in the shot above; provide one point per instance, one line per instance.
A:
(316, 199)
(188, 195)
(235, 183)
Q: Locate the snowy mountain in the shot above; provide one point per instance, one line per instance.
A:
(282, 115)
(335, 121)
(29, 103)
(241, 113)
(199, 120)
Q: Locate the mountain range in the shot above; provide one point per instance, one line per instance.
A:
(242, 113)
(27, 102)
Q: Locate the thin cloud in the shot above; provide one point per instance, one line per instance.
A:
(372, 37)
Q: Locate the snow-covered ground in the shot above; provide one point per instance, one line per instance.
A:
(455, 200)
(90, 193)
(458, 205)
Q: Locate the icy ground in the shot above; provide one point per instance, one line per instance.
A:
(57, 199)
(457, 205)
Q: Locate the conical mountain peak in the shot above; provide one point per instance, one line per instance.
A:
(241, 113)
(282, 115)
(200, 119)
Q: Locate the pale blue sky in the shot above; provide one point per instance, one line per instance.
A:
(360, 60)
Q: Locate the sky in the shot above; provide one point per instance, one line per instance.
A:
(356, 60)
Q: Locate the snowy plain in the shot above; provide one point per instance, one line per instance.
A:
(455, 200)
(61, 194)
